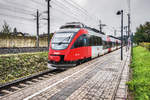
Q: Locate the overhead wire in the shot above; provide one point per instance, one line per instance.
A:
(13, 16)
(8, 5)
(79, 8)
(76, 12)
(37, 2)
(18, 4)
(68, 8)
(62, 9)
(15, 10)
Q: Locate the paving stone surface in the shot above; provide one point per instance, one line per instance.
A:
(103, 78)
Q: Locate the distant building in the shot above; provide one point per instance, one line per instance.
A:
(46, 35)
(21, 34)
(26, 34)
(18, 34)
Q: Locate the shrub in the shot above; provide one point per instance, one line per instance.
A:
(146, 45)
(17, 66)
(140, 83)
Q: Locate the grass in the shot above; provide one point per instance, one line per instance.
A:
(140, 83)
(16, 66)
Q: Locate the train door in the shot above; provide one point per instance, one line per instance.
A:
(81, 50)
(86, 48)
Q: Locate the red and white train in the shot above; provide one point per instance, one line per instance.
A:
(75, 43)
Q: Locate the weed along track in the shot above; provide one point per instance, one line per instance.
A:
(19, 84)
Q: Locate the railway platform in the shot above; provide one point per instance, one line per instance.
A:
(103, 78)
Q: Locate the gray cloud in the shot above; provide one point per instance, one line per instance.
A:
(19, 13)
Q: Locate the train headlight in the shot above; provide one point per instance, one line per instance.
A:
(59, 46)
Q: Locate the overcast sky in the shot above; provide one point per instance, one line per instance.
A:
(21, 13)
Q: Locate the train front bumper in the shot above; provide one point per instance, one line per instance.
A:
(50, 66)
(64, 65)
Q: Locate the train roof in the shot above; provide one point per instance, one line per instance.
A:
(91, 31)
(69, 30)
(114, 37)
(99, 34)
(96, 33)
(95, 30)
(73, 25)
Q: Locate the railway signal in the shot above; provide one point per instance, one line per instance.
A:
(121, 13)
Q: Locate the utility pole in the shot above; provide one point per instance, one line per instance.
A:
(132, 45)
(128, 24)
(126, 30)
(126, 37)
(48, 21)
(121, 34)
(129, 28)
(48, 15)
(101, 25)
(121, 13)
(37, 23)
(115, 31)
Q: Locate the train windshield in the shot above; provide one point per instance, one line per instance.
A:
(61, 40)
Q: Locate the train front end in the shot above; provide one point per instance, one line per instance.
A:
(60, 48)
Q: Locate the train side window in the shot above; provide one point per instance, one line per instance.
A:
(80, 42)
(76, 44)
(88, 40)
(84, 41)
(91, 40)
(105, 46)
(94, 40)
(99, 41)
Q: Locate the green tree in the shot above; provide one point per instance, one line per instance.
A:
(6, 28)
(15, 31)
(142, 33)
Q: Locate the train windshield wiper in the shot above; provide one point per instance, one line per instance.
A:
(63, 40)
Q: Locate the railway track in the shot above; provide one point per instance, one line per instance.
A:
(14, 86)
(18, 84)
